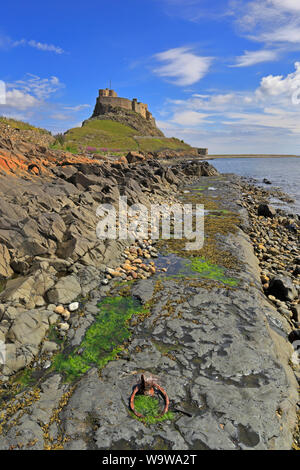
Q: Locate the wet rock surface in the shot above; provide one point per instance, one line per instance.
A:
(220, 350)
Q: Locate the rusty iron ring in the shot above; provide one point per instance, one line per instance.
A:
(137, 388)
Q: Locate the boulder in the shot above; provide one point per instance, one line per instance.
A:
(5, 269)
(143, 290)
(49, 347)
(82, 181)
(14, 360)
(133, 157)
(65, 291)
(27, 290)
(296, 312)
(266, 211)
(29, 329)
(282, 288)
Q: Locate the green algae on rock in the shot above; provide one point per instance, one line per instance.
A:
(150, 408)
(211, 271)
(103, 340)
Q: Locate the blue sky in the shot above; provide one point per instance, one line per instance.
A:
(223, 75)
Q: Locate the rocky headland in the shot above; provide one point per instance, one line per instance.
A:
(82, 318)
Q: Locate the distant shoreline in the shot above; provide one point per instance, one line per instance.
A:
(211, 157)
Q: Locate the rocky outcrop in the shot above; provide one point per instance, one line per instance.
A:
(29, 290)
(129, 118)
(5, 269)
(221, 352)
(50, 252)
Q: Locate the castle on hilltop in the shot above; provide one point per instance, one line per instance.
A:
(108, 99)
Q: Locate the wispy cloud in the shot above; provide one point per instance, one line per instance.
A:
(8, 43)
(79, 107)
(255, 57)
(195, 10)
(188, 118)
(41, 88)
(269, 21)
(182, 66)
(39, 45)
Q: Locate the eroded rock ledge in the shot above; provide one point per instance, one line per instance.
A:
(218, 344)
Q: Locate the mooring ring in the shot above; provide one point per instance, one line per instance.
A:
(160, 389)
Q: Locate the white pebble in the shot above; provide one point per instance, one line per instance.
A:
(63, 326)
(73, 306)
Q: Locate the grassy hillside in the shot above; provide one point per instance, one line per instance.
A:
(23, 126)
(98, 136)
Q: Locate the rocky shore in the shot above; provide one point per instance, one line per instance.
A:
(82, 318)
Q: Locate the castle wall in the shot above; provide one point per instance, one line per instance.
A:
(110, 98)
(118, 102)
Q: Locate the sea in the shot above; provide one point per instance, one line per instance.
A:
(282, 172)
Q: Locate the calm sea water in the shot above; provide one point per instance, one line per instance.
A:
(282, 172)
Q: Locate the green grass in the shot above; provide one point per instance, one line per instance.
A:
(103, 340)
(150, 408)
(67, 147)
(24, 126)
(102, 134)
(159, 144)
(114, 135)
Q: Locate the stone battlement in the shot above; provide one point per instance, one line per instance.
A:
(109, 98)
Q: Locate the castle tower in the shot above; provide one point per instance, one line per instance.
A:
(134, 105)
(107, 93)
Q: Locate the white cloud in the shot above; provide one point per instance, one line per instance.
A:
(285, 34)
(270, 21)
(45, 47)
(182, 66)
(19, 100)
(286, 5)
(280, 86)
(188, 118)
(30, 92)
(265, 119)
(30, 100)
(255, 57)
(274, 119)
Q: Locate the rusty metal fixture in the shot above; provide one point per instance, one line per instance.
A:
(147, 387)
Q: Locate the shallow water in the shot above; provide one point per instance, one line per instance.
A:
(282, 172)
